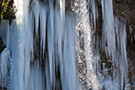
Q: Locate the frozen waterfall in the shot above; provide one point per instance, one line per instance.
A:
(51, 48)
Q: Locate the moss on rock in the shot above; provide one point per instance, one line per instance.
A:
(7, 10)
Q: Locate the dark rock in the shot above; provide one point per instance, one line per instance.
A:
(126, 9)
(2, 46)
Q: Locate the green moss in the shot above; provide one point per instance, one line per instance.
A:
(7, 10)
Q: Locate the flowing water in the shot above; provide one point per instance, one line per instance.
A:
(49, 48)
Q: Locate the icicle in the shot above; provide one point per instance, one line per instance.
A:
(36, 10)
(4, 65)
(94, 13)
(69, 78)
(114, 43)
(108, 27)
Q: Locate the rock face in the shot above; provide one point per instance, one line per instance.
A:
(123, 10)
(126, 9)
(2, 46)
